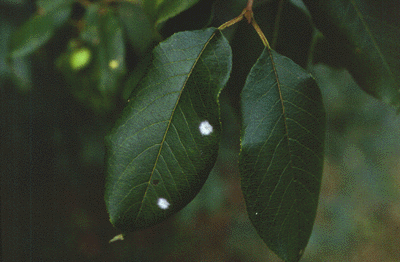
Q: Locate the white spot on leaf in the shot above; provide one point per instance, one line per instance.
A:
(163, 203)
(205, 128)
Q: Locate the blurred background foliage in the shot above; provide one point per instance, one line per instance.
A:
(58, 103)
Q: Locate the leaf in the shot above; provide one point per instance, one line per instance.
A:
(196, 17)
(137, 26)
(162, 10)
(91, 30)
(113, 40)
(48, 6)
(367, 35)
(294, 33)
(281, 152)
(157, 157)
(38, 30)
(84, 83)
(104, 31)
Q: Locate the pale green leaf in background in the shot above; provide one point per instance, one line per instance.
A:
(111, 53)
(136, 23)
(50, 5)
(38, 30)
(91, 29)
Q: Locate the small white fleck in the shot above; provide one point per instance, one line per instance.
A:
(163, 203)
(205, 128)
(256, 213)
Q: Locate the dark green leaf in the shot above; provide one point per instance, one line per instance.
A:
(158, 158)
(197, 17)
(37, 31)
(137, 26)
(293, 33)
(367, 35)
(281, 152)
(162, 10)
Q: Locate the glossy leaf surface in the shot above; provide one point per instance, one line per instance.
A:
(166, 142)
(281, 152)
(365, 35)
(38, 30)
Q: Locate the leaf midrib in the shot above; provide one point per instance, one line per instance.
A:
(286, 130)
(281, 99)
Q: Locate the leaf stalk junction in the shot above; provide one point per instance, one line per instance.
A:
(248, 14)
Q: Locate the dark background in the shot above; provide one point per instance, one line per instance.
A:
(52, 171)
